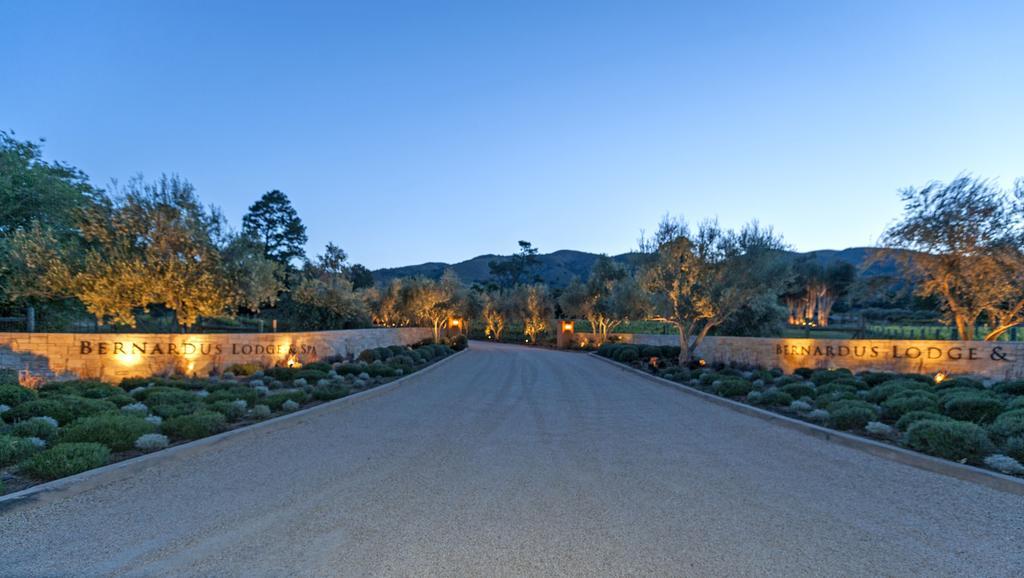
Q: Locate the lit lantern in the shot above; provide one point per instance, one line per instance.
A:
(940, 376)
(567, 326)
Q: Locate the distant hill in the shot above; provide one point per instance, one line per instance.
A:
(558, 268)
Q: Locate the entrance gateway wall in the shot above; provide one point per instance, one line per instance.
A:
(991, 359)
(113, 356)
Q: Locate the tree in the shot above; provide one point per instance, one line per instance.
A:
(816, 289)
(273, 221)
(334, 295)
(535, 308)
(608, 298)
(153, 244)
(386, 304)
(498, 308)
(255, 280)
(33, 190)
(517, 268)
(698, 281)
(961, 241)
(360, 276)
(432, 302)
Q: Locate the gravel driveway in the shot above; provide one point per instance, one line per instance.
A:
(514, 461)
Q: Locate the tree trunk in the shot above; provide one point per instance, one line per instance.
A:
(684, 345)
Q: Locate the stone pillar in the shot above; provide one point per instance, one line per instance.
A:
(564, 332)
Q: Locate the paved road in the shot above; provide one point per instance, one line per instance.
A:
(511, 461)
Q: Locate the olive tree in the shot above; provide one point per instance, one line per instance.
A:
(961, 242)
(608, 298)
(698, 280)
(535, 308)
(433, 302)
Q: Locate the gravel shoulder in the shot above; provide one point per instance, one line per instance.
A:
(513, 461)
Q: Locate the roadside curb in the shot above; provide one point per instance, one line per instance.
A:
(89, 479)
(994, 480)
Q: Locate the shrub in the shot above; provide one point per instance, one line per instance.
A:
(403, 362)
(1009, 388)
(261, 411)
(1004, 464)
(117, 432)
(459, 342)
(66, 459)
(953, 440)
(800, 389)
(169, 410)
(248, 394)
(1009, 424)
(194, 426)
(851, 414)
(13, 394)
(138, 409)
(878, 429)
(281, 373)
(823, 376)
(977, 406)
(775, 397)
(819, 415)
(961, 382)
(64, 409)
(312, 375)
(733, 387)
(873, 378)
(803, 372)
(628, 354)
(13, 449)
(229, 409)
(755, 397)
(244, 368)
(907, 401)
(329, 392)
(163, 395)
(884, 391)
(152, 442)
(910, 418)
(276, 401)
(800, 406)
(289, 406)
(8, 376)
(37, 427)
(1014, 447)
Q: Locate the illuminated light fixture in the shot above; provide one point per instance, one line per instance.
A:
(567, 326)
(941, 376)
(455, 322)
(701, 362)
(293, 362)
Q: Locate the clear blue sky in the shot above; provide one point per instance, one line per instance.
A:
(416, 131)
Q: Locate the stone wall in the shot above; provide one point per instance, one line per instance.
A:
(115, 356)
(996, 360)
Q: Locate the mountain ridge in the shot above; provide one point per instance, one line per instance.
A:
(559, 267)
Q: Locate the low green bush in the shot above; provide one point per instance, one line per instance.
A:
(310, 375)
(35, 427)
(459, 342)
(953, 440)
(244, 369)
(884, 391)
(194, 426)
(90, 388)
(799, 389)
(823, 376)
(275, 400)
(403, 362)
(803, 372)
(774, 397)
(116, 431)
(1014, 447)
(168, 410)
(627, 354)
(909, 400)
(851, 414)
(329, 392)
(910, 418)
(733, 387)
(281, 373)
(1009, 388)
(229, 409)
(66, 459)
(976, 406)
(873, 378)
(249, 394)
(13, 394)
(8, 376)
(13, 449)
(64, 409)
(961, 382)
(1008, 425)
(163, 395)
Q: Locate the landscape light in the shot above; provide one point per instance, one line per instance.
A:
(940, 376)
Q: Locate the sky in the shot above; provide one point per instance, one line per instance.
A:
(408, 132)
